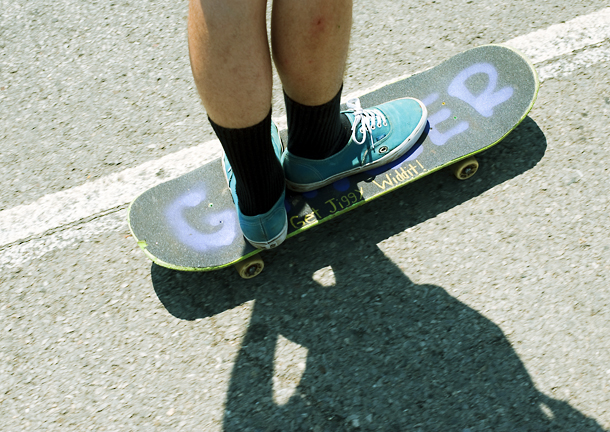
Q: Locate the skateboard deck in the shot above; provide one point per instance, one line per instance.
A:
(474, 100)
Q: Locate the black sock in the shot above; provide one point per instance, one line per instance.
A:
(258, 172)
(317, 132)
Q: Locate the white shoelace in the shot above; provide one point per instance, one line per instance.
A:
(367, 119)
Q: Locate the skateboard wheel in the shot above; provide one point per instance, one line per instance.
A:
(250, 267)
(466, 168)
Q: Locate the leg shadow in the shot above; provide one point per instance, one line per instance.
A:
(384, 354)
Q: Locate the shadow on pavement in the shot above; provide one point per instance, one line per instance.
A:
(383, 353)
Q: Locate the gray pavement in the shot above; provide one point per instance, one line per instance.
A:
(445, 306)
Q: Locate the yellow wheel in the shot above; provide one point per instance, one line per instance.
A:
(250, 267)
(465, 169)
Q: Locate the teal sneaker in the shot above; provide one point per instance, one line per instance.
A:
(380, 135)
(267, 230)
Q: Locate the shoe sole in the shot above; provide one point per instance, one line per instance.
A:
(391, 157)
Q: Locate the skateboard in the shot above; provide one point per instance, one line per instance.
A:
(474, 100)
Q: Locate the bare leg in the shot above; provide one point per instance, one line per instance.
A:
(231, 64)
(230, 60)
(310, 42)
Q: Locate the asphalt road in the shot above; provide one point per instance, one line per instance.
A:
(445, 306)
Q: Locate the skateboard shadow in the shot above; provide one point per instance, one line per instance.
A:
(406, 207)
(380, 352)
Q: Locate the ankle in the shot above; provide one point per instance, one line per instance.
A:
(259, 178)
(316, 132)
